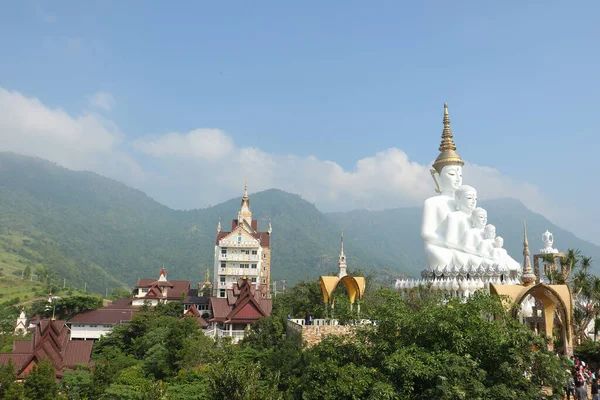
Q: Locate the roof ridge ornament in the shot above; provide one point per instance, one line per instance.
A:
(448, 154)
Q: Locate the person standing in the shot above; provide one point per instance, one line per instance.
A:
(595, 387)
(580, 391)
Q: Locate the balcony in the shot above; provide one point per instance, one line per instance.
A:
(239, 257)
(242, 271)
(215, 333)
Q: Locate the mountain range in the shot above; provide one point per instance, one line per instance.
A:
(97, 232)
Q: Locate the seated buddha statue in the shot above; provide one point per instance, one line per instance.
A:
(447, 175)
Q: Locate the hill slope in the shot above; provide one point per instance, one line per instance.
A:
(91, 229)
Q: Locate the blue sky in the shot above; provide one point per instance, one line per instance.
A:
(334, 81)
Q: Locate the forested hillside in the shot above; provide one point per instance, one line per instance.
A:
(90, 229)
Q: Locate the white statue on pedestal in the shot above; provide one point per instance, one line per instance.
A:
(548, 240)
(454, 231)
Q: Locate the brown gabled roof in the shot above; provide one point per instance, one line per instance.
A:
(245, 307)
(50, 341)
(154, 293)
(220, 309)
(192, 312)
(104, 316)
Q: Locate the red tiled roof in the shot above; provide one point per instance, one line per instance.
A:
(220, 308)
(21, 346)
(50, 341)
(192, 312)
(105, 315)
(78, 352)
(243, 307)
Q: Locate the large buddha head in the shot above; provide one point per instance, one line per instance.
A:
(466, 199)
(448, 164)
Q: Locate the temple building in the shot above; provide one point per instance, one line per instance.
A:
(244, 252)
(94, 324)
(234, 314)
(50, 341)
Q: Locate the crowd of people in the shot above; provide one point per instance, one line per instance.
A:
(583, 383)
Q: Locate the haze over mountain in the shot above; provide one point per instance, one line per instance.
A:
(91, 229)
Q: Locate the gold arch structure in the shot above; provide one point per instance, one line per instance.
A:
(355, 285)
(552, 297)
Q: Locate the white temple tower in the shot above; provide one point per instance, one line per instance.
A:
(244, 252)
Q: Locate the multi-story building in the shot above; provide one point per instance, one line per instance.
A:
(244, 252)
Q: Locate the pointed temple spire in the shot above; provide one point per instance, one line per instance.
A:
(270, 229)
(245, 214)
(207, 277)
(448, 154)
(528, 276)
(219, 226)
(342, 258)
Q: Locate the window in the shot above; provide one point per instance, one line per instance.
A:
(239, 239)
(247, 252)
(222, 293)
(223, 265)
(223, 251)
(254, 252)
(222, 279)
(144, 290)
(253, 280)
(107, 326)
(254, 266)
(265, 255)
(264, 280)
(244, 265)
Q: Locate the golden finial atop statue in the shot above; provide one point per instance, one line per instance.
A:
(448, 154)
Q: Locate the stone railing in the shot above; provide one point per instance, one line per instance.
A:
(313, 334)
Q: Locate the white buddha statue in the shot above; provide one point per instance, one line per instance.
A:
(474, 235)
(487, 245)
(500, 255)
(458, 222)
(447, 174)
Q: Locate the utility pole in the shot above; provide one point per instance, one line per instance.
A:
(274, 288)
(283, 282)
(64, 282)
(85, 287)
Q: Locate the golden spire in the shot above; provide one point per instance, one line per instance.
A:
(270, 229)
(245, 214)
(448, 154)
(528, 276)
(207, 277)
(219, 226)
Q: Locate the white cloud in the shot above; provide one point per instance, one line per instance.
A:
(209, 158)
(85, 141)
(205, 166)
(103, 100)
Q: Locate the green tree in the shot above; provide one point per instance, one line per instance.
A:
(27, 273)
(9, 387)
(40, 383)
(77, 384)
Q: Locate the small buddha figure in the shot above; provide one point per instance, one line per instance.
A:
(474, 235)
(500, 255)
(487, 245)
(459, 221)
